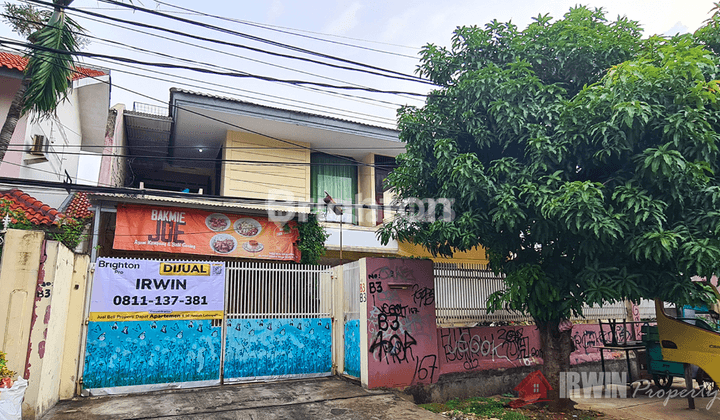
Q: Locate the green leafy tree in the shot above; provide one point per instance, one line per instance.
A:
(581, 157)
(48, 74)
(311, 240)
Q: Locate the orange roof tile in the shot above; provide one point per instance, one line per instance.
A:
(36, 211)
(18, 62)
(12, 61)
(79, 207)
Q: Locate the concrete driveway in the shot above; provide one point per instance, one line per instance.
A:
(325, 398)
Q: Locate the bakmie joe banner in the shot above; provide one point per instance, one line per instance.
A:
(126, 289)
(191, 231)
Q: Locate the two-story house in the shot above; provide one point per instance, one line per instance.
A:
(215, 146)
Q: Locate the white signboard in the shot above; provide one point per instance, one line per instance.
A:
(125, 289)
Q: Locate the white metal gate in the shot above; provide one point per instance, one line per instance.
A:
(277, 321)
(351, 317)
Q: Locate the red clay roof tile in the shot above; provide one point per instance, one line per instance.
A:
(79, 207)
(18, 62)
(36, 211)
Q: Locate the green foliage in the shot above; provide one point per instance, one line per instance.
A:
(4, 371)
(51, 64)
(311, 242)
(479, 406)
(66, 230)
(25, 19)
(584, 159)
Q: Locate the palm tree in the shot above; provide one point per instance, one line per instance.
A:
(50, 67)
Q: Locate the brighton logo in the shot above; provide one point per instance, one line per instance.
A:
(590, 385)
(282, 206)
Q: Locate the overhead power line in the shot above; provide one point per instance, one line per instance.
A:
(262, 40)
(203, 159)
(208, 71)
(218, 119)
(118, 44)
(392, 74)
(290, 31)
(115, 44)
(220, 199)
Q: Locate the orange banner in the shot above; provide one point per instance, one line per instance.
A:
(191, 231)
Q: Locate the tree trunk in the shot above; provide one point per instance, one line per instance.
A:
(13, 116)
(557, 347)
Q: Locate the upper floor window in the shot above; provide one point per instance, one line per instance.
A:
(339, 177)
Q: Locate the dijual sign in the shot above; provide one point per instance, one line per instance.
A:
(191, 231)
(137, 290)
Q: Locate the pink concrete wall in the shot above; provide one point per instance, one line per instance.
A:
(406, 348)
(12, 162)
(484, 348)
(110, 173)
(402, 336)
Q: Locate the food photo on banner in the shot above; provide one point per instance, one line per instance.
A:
(192, 231)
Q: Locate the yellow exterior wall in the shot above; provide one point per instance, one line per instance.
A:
(256, 181)
(73, 331)
(20, 259)
(475, 256)
(366, 190)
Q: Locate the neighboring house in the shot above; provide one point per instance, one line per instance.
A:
(51, 149)
(211, 145)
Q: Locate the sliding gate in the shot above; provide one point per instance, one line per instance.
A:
(278, 322)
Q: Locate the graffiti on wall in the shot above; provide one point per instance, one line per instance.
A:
(127, 353)
(352, 348)
(470, 346)
(277, 347)
(401, 322)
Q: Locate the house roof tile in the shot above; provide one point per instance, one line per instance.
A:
(18, 62)
(79, 207)
(37, 212)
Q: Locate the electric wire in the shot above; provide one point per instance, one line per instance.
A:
(219, 199)
(373, 118)
(196, 159)
(232, 44)
(261, 40)
(118, 44)
(270, 28)
(208, 71)
(216, 119)
(361, 99)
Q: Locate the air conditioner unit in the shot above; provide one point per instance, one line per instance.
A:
(39, 146)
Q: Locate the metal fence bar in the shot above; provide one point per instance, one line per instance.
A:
(462, 290)
(274, 290)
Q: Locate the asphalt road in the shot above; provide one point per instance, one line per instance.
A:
(324, 398)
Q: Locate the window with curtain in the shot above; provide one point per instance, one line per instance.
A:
(339, 177)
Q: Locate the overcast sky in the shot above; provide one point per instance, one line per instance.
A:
(397, 28)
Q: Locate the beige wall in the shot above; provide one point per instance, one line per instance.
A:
(42, 323)
(366, 190)
(255, 181)
(18, 277)
(73, 330)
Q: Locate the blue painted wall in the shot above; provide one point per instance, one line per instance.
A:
(276, 347)
(352, 348)
(151, 352)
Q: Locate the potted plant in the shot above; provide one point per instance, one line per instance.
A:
(6, 375)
